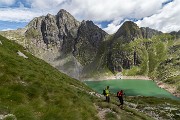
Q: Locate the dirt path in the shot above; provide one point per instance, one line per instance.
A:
(102, 112)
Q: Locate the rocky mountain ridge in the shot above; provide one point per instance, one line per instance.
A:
(73, 47)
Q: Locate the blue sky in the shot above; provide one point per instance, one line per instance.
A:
(161, 15)
(7, 25)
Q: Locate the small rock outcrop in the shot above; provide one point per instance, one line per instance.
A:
(22, 54)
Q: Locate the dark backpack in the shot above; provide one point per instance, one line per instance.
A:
(104, 92)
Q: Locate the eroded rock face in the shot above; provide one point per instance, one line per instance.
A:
(50, 31)
(88, 41)
(68, 27)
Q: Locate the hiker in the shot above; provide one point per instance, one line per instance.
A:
(106, 93)
(120, 96)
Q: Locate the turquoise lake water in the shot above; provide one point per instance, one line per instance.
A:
(131, 87)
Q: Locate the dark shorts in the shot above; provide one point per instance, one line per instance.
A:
(121, 100)
(107, 98)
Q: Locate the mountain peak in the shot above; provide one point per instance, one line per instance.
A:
(128, 31)
(129, 23)
(62, 11)
(66, 18)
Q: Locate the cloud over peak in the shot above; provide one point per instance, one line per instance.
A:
(166, 20)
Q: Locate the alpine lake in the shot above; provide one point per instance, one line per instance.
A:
(131, 87)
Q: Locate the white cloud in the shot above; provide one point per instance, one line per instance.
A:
(101, 10)
(45, 4)
(113, 26)
(166, 20)
(18, 15)
(98, 10)
(4, 3)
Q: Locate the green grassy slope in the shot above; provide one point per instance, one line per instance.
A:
(32, 89)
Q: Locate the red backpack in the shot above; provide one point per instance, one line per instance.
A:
(119, 94)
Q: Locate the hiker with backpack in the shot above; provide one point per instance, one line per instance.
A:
(120, 95)
(106, 93)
